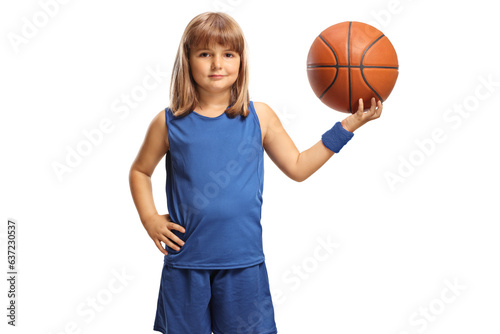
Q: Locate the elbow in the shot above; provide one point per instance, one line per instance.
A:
(135, 172)
(132, 171)
(131, 175)
(296, 174)
(298, 177)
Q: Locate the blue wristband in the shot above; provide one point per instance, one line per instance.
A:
(335, 138)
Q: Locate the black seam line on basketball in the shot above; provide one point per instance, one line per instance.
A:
(336, 60)
(353, 66)
(349, 63)
(363, 74)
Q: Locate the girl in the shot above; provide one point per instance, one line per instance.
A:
(214, 277)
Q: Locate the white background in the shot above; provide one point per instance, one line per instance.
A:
(398, 248)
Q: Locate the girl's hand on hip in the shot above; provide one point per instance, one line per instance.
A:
(159, 228)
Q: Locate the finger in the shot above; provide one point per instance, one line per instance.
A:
(361, 106)
(170, 243)
(174, 226)
(380, 107)
(172, 237)
(373, 105)
(158, 244)
(371, 111)
(378, 110)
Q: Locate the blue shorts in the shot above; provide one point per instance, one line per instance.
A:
(222, 301)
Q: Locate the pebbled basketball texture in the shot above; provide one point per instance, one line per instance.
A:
(352, 60)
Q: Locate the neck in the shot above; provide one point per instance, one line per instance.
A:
(213, 101)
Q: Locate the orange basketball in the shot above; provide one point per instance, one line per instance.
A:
(351, 60)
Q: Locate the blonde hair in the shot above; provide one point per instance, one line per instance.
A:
(205, 30)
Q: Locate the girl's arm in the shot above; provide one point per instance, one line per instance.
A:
(283, 152)
(153, 149)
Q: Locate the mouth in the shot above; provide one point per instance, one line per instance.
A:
(216, 76)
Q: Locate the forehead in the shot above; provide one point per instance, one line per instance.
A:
(214, 39)
(213, 47)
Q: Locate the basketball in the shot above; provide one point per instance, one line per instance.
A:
(351, 60)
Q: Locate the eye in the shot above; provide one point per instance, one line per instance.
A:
(230, 55)
(204, 54)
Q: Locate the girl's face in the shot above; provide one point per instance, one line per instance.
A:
(215, 68)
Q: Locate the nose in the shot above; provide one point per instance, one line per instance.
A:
(216, 63)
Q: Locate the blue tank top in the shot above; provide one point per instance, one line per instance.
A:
(214, 190)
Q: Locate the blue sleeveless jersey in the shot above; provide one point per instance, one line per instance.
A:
(214, 190)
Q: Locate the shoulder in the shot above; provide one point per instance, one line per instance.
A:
(159, 121)
(261, 107)
(267, 116)
(158, 127)
(264, 112)
(268, 119)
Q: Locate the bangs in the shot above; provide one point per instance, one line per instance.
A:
(216, 29)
